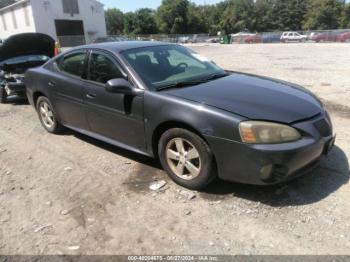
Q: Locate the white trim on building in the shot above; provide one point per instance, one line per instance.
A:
(61, 19)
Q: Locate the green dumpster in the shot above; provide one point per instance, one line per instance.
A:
(226, 39)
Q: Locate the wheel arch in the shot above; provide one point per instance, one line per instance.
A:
(165, 126)
(36, 95)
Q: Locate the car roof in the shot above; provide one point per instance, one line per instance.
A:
(118, 47)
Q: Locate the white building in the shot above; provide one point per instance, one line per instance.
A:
(72, 22)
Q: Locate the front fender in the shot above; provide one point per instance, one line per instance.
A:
(208, 121)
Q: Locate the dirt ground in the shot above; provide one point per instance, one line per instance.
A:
(322, 68)
(70, 194)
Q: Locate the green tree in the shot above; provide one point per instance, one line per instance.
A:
(263, 16)
(129, 23)
(238, 16)
(323, 14)
(197, 18)
(345, 18)
(114, 21)
(172, 16)
(142, 21)
(145, 22)
(288, 14)
(215, 17)
(205, 18)
(229, 16)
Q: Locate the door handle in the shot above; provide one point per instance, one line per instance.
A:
(51, 83)
(91, 96)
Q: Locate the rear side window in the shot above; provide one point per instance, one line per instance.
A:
(73, 64)
(102, 69)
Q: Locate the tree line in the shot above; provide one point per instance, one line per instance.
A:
(230, 16)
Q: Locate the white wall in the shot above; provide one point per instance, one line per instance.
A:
(46, 11)
(94, 20)
(23, 25)
(42, 15)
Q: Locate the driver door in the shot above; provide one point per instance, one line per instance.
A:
(114, 116)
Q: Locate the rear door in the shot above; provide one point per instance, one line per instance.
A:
(115, 116)
(68, 85)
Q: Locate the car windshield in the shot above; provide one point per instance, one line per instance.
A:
(24, 59)
(170, 65)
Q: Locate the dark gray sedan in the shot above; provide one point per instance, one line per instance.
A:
(164, 101)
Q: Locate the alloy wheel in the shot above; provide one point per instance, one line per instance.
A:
(46, 115)
(183, 158)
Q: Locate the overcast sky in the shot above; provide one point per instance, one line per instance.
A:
(132, 5)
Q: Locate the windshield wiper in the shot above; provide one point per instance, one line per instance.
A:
(194, 82)
(181, 84)
(215, 76)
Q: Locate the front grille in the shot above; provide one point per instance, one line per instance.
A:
(323, 127)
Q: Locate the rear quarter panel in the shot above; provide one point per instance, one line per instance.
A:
(36, 81)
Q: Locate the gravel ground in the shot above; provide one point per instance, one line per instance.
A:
(322, 68)
(70, 194)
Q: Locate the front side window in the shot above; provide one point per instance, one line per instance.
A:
(102, 69)
(73, 64)
(161, 66)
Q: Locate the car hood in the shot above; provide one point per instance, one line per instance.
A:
(254, 97)
(27, 44)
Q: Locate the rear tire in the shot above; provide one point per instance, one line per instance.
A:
(187, 158)
(3, 95)
(47, 116)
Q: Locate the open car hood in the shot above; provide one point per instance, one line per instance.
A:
(27, 44)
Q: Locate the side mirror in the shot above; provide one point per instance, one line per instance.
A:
(120, 86)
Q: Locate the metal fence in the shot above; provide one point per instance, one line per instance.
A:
(340, 36)
(70, 41)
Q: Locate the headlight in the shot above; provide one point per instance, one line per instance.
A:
(257, 132)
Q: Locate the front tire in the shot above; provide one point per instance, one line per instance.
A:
(47, 116)
(186, 158)
(3, 95)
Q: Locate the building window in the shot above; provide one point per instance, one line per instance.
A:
(14, 18)
(70, 7)
(95, 9)
(26, 15)
(3, 19)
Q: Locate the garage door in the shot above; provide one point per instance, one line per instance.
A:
(70, 32)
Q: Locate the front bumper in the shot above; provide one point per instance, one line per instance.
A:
(15, 88)
(271, 164)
